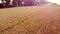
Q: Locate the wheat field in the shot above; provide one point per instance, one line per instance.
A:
(30, 20)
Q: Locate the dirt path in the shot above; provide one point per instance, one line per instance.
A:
(30, 20)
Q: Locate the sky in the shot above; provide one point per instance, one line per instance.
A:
(54, 1)
(0, 1)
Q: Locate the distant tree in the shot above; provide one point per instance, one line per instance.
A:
(19, 2)
(6, 3)
(29, 2)
(1, 4)
(43, 2)
(15, 2)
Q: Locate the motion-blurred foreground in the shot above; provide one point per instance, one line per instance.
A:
(30, 20)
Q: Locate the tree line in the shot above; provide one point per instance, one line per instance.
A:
(15, 3)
